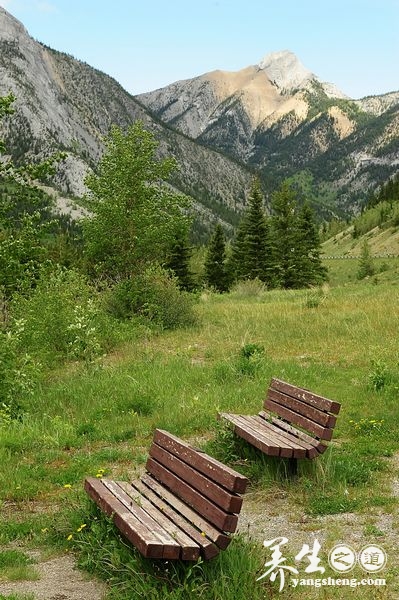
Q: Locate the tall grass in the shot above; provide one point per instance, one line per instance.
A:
(81, 422)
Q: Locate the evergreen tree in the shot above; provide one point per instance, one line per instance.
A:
(286, 236)
(178, 260)
(311, 271)
(216, 273)
(237, 261)
(296, 240)
(252, 252)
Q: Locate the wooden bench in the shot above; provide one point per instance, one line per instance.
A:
(296, 423)
(183, 507)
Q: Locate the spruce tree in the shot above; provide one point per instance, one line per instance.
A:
(251, 251)
(311, 271)
(237, 262)
(216, 275)
(286, 236)
(297, 241)
(178, 260)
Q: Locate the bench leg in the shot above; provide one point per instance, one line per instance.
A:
(292, 467)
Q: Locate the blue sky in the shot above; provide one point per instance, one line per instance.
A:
(148, 44)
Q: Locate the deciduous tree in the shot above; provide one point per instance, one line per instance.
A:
(135, 214)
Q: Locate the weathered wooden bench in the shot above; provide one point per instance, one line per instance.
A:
(183, 507)
(296, 423)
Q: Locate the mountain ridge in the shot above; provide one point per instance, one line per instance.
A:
(222, 127)
(65, 104)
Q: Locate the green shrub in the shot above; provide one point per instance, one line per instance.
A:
(156, 296)
(18, 373)
(63, 319)
(251, 357)
(380, 376)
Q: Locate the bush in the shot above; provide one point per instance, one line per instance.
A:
(63, 319)
(155, 295)
(18, 373)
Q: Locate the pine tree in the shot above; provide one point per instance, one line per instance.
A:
(312, 271)
(216, 274)
(178, 260)
(286, 236)
(251, 251)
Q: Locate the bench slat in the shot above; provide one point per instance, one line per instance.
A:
(164, 537)
(218, 537)
(207, 465)
(293, 417)
(317, 445)
(258, 430)
(131, 527)
(303, 409)
(261, 434)
(206, 547)
(210, 489)
(305, 395)
(298, 446)
(190, 550)
(212, 512)
(242, 429)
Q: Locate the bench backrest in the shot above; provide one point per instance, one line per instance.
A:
(211, 488)
(311, 412)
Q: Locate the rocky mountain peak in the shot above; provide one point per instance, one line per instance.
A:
(285, 70)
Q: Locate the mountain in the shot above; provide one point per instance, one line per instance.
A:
(281, 120)
(275, 118)
(64, 104)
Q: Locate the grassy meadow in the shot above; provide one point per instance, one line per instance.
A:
(340, 341)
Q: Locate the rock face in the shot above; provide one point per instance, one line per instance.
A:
(279, 118)
(64, 104)
(275, 118)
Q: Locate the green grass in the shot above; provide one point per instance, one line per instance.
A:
(16, 566)
(338, 341)
(17, 597)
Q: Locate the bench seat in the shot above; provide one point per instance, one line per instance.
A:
(295, 424)
(183, 508)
